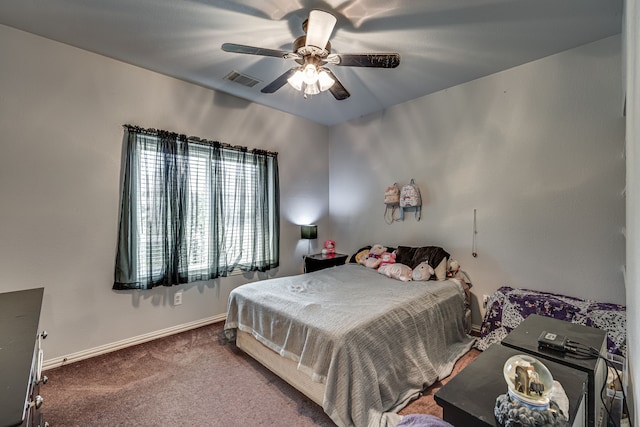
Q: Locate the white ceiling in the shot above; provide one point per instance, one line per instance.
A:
(442, 43)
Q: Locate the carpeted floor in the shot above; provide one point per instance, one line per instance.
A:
(191, 378)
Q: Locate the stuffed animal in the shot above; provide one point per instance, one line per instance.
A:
(373, 257)
(329, 248)
(453, 268)
(396, 271)
(388, 258)
(423, 271)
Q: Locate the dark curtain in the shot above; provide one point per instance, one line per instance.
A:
(194, 210)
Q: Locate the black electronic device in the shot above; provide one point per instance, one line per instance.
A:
(552, 341)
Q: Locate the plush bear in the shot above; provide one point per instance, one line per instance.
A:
(373, 259)
(423, 271)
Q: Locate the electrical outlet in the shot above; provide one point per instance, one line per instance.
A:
(485, 301)
(177, 298)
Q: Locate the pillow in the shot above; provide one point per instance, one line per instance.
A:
(396, 271)
(433, 255)
(441, 270)
(423, 271)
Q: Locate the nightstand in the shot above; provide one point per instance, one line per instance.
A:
(525, 338)
(469, 398)
(317, 262)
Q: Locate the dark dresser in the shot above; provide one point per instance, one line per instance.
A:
(525, 338)
(21, 359)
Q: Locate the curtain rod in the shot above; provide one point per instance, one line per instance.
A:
(197, 140)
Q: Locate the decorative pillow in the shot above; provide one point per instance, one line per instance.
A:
(422, 272)
(396, 271)
(441, 270)
(433, 255)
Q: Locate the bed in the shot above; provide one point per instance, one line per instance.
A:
(508, 306)
(358, 343)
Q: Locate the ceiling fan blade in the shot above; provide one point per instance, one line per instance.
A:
(251, 50)
(280, 81)
(377, 60)
(337, 90)
(319, 28)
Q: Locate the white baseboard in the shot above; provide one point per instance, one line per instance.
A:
(118, 345)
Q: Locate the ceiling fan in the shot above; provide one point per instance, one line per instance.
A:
(312, 51)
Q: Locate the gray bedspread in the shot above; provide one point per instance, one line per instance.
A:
(375, 342)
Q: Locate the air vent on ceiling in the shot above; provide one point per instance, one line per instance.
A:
(242, 79)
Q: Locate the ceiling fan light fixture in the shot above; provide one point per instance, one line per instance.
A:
(324, 80)
(311, 52)
(311, 89)
(319, 28)
(296, 80)
(310, 74)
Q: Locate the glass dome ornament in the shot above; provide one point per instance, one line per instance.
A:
(529, 381)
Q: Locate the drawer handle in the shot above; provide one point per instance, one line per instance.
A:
(39, 366)
(37, 402)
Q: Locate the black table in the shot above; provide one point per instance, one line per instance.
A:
(525, 338)
(317, 262)
(468, 399)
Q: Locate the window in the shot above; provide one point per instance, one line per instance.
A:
(194, 210)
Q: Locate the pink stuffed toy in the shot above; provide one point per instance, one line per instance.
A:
(329, 248)
(373, 259)
(396, 271)
(388, 258)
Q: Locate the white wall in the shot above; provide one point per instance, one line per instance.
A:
(632, 83)
(61, 112)
(537, 150)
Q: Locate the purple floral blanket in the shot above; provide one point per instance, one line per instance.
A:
(507, 307)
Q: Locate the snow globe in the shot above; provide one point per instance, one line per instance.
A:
(528, 401)
(528, 380)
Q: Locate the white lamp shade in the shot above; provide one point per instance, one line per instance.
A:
(319, 28)
(310, 74)
(312, 89)
(296, 80)
(325, 80)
